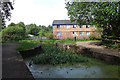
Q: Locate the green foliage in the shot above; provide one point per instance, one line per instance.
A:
(12, 33)
(54, 56)
(102, 14)
(27, 44)
(35, 30)
(32, 29)
(94, 37)
(71, 39)
(110, 45)
(49, 35)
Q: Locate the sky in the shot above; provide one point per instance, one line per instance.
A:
(40, 12)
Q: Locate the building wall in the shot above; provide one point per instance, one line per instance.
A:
(65, 33)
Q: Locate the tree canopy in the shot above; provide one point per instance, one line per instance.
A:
(20, 31)
(103, 14)
(5, 11)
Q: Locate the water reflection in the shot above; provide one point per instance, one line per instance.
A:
(76, 71)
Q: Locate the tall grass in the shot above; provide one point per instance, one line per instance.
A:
(54, 56)
(27, 44)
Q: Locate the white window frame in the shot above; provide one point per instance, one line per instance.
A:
(57, 26)
(67, 26)
(87, 33)
(88, 26)
(74, 26)
(58, 33)
(94, 26)
(81, 33)
(75, 34)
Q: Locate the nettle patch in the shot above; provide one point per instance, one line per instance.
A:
(54, 56)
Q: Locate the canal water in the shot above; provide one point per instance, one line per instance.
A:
(72, 71)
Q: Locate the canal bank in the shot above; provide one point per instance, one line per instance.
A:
(13, 66)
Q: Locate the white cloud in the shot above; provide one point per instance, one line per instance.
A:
(39, 12)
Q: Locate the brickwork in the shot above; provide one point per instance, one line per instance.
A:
(68, 32)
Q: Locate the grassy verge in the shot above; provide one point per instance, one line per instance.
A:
(27, 44)
(67, 41)
(110, 45)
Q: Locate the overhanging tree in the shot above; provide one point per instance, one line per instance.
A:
(103, 14)
(5, 11)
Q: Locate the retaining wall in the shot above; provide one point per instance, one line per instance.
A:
(110, 59)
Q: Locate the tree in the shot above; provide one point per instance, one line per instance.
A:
(49, 35)
(103, 14)
(21, 24)
(32, 29)
(13, 33)
(5, 11)
(11, 24)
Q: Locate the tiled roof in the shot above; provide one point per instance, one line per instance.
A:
(63, 22)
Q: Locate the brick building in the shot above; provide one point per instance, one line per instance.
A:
(64, 29)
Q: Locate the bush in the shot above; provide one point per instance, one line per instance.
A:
(49, 35)
(71, 39)
(54, 56)
(94, 37)
(13, 33)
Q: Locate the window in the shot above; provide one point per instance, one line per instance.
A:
(58, 33)
(87, 26)
(94, 26)
(80, 33)
(67, 26)
(81, 26)
(87, 33)
(75, 34)
(74, 26)
(58, 26)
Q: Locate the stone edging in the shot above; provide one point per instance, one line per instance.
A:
(110, 59)
(31, 52)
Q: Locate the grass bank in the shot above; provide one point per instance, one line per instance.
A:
(54, 56)
(27, 44)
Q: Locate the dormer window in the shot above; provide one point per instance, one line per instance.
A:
(58, 26)
(74, 26)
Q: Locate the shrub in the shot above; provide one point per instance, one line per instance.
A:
(49, 35)
(94, 37)
(13, 33)
(71, 39)
(54, 56)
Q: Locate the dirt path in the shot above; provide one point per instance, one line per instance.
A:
(12, 63)
(100, 49)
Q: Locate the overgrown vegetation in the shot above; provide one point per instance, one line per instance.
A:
(66, 41)
(105, 15)
(20, 31)
(13, 33)
(94, 37)
(112, 45)
(27, 44)
(54, 56)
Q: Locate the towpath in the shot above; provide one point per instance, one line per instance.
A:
(13, 65)
(92, 45)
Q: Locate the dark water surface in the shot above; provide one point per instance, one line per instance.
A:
(75, 71)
